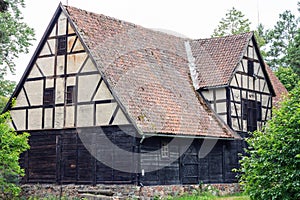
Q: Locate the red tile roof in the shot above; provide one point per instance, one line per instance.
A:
(280, 90)
(148, 72)
(219, 56)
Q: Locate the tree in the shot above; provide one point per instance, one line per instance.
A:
(271, 167)
(279, 39)
(233, 23)
(15, 35)
(287, 77)
(11, 146)
(293, 54)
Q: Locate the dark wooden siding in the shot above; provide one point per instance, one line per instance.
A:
(60, 156)
(191, 168)
(64, 156)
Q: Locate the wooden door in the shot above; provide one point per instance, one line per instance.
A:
(189, 166)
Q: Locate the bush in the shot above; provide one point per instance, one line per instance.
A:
(271, 167)
(11, 146)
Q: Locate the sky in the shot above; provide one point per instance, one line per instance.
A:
(191, 18)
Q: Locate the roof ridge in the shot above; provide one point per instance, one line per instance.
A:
(226, 36)
(121, 21)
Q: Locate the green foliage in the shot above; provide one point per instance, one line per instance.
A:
(3, 101)
(260, 38)
(6, 86)
(279, 38)
(287, 77)
(233, 23)
(271, 167)
(11, 146)
(15, 35)
(293, 53)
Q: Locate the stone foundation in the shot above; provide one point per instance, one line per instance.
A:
(122, 191)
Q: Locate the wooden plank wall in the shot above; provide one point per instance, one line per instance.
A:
(61, 157)
(216, 167)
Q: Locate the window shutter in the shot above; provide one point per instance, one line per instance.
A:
(259, 114)
(245, 109)
(250, 68)
(48, 96)
(61, 45)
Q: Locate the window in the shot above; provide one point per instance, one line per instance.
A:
(61, 45)
(250, 68)
(251, 113)
(71, 94)
(48, 96)
(164, 149)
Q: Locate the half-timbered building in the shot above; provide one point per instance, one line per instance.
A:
(107, 101)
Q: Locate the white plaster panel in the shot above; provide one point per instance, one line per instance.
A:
(239, 68)
(19, 118)
(89, 66)
(244, 95)
(234, 82)
(255, 55)
(103, 93)
(34, 72)
(59, 117)
(46, 65)
(235, 95)
(71, 40)
(85, 115)
(220, 93)
(70, 111)
(34, 90)
(256, 85)
(264, 100)
(71, 81)
(21, 99)
(62, 24)
(245, 64)
(221, 107)
(75, 61)
(224, 118)
(52, 45)
(53, 31)
(120, 118)
(86, 87)
(208, 95)
(260, 72)
(104, 113)
(34, 119)
(250, 52)
(45, 50)
(256, 68)
(60, 67)
(60, 90)
(70, 29)
(262, 83)
(78, 46)
(235, 124)
(251, 86)
(49, 83)
(245, 81)
(266, 89)
(48, 118)
(235, 109)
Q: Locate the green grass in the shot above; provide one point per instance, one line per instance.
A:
(209, 196)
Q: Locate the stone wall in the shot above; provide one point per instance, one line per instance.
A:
(121, 191)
